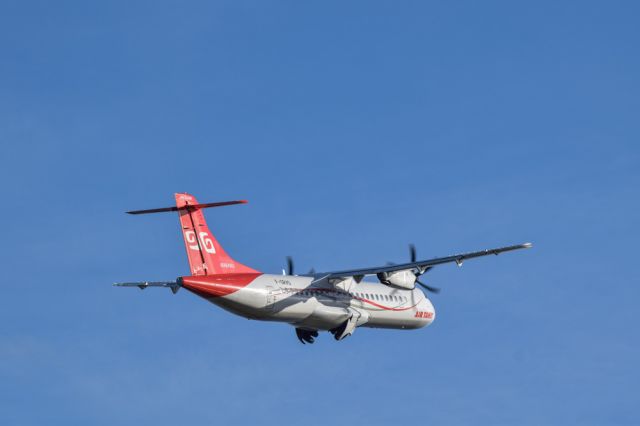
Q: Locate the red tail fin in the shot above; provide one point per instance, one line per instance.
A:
(206, 255)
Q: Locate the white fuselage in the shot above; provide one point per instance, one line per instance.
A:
(314, 303)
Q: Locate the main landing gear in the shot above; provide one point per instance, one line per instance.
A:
(340, 332)
(307, 336)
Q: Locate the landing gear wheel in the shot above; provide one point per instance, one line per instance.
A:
(307, 336)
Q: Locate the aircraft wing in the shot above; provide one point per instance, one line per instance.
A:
(422, 265)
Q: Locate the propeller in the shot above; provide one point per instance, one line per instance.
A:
(290, 265)
(435, 290)
(413, 257)
(290, 268)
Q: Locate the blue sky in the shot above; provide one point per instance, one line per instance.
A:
(354, 128)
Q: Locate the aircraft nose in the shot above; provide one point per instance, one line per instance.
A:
(427, 311)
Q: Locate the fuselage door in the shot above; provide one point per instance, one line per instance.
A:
(271, 298)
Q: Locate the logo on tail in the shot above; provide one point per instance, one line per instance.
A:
(205, 241)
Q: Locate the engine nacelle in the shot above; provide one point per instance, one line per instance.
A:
(403, 279)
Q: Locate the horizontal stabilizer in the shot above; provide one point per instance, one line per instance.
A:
(173, 285)
(188, 207)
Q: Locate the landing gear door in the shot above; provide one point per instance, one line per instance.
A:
(356, 319)
(360, 316)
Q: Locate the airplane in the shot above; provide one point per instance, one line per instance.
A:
(334, 301)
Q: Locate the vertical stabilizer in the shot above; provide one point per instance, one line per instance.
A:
(206, 255)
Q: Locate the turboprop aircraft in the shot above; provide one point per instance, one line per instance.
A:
(334, 301)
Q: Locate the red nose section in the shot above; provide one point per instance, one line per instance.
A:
(219, 285)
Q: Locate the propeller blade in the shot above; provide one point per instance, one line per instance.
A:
(435, 290)
(412, 253)
(289, 265)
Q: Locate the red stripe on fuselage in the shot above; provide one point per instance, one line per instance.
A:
(377, 305)
(385, 307)
(218, 285)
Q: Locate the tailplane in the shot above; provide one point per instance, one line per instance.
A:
(206, 255)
